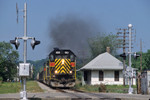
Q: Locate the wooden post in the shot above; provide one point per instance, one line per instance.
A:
(139, 84)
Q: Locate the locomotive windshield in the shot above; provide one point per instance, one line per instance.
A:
(61, 56)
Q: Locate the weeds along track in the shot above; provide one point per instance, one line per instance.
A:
(73, 89)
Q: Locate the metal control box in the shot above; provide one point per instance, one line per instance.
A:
(24, 69)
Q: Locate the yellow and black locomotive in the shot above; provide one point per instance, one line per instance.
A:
(60, 70)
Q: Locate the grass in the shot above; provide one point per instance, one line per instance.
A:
(33, 87)
(118, 88)
(9, 87)
(108, 89)
(88, 88)
(15, 87)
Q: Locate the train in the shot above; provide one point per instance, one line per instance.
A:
(60, 69)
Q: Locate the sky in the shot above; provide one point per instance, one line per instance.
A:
(108, 14)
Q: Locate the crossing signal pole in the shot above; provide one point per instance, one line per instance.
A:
(130, 52)
(124, 43)
(24, 67)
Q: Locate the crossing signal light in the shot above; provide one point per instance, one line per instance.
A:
(136, 55)
(34, 42)
(15, 42)
(123, 56)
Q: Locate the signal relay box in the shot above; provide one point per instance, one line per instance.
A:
(24, 69)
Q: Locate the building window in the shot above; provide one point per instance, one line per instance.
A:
(85, 75)
(101, 75)
(116, 75)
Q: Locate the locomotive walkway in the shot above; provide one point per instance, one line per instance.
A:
(52, 94)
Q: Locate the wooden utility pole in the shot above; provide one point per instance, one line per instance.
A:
(123, 39)
(141, 55)
(139, 74)
(124, 51)
(123, 43)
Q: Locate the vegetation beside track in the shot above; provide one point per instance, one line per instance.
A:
(104, 88)
(15, 87)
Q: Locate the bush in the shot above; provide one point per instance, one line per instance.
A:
(102, 88)
(1, 80)
(78, 85)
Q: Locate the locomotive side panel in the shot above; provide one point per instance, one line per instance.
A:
(41, 76)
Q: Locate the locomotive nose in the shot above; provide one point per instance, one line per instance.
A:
(63, 61)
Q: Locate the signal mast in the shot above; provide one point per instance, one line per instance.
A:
(24, 68)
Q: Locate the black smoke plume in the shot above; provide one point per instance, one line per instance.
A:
(72, 32)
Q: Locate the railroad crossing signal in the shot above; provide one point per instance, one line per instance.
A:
(123, 56)
(24, 67)
(136, 55)
(15, 42)
(34, 42)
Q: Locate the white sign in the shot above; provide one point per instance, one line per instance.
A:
(24, 69)
(130, 72)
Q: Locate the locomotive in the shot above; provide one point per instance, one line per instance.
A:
(60, 70)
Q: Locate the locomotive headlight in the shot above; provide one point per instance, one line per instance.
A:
(70, 72)
(56, 71)
(63, 61)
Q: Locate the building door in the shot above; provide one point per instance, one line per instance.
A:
(87, 77)
(101, 75)
(116, 75)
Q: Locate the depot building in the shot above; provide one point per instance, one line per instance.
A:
(105, 69)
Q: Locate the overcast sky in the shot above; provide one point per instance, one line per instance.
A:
(108, 14)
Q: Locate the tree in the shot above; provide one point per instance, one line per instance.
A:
(8, 61)
(145, 61)
(146, 64)
(99, 43)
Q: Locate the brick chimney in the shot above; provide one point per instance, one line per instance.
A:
(108, 49)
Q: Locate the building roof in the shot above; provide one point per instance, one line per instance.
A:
(104, 61)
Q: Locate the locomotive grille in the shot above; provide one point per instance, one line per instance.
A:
(62, 66)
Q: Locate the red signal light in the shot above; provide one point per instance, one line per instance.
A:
(72, 64)
(44, 69)
(52, 64)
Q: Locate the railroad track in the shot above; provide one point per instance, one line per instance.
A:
(96, 96)
(71, 92)
(65, 90)
(81, 95)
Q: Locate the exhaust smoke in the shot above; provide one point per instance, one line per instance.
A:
(72, 32)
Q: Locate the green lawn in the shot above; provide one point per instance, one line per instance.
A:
(15, 87)
(105, 88)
